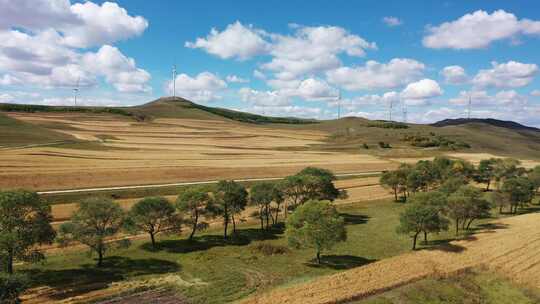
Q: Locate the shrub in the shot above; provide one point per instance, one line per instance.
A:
(269, 249)
(11, 286)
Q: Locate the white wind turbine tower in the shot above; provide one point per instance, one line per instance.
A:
(403, 109)
(339, 104)
(390, 108)
(469, 107)
(76, 91)
(174, 80)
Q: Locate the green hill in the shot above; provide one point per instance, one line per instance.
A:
(14, 132)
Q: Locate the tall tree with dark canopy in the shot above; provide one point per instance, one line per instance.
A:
(485, 172)
(231, 199)
(95, 221)
(153, 215)
(261, 195)
(421, 218)
(25, 224)
(390, 179)
(197, 202)
(519, 190)
(315, 224)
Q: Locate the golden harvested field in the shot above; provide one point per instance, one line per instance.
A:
(511, 247)
(359, 189)
(166, 150)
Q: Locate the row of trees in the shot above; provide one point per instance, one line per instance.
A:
(440, 194)
(25, 225)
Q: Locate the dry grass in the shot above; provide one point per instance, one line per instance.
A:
(511, 248)
(167, 150)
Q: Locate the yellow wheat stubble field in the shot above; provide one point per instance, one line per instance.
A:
(511, 248)
(166, 150)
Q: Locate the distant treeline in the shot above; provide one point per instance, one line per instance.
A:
(7, 107)
(252, 118)
(387, 125)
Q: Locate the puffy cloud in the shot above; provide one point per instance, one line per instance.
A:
(313, 49)
(263, 98)
(482, 98)
(204, 87)
(506, 75)
(46, 52)
(80, 25)
(119, 70)
(454, 74)
(287, 111)
(258, 74)
(37, 14)
(375, 75)
(235, 79)
(314, 89)
(419, 92)
(478, 30)
(102, 25)
(236, 41)
(535, 93)
(392, 21)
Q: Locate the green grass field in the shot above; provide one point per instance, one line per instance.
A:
(471, 287)
(14, 132)
(212, 271)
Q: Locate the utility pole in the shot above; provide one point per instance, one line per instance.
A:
(339, 105)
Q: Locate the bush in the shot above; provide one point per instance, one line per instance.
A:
(11, 286)
(365, 146)
(387, 125)
(384, 145)
(270, 249)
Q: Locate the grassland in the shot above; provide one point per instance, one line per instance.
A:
(212, 271)
(469, 287)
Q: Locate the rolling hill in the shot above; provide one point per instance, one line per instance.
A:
(351, 133)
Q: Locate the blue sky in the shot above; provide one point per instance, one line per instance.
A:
(290, 58)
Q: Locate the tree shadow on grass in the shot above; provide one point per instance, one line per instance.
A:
(488, 227)
(242, 237)
(445, 245)
(78, 281)
(340, 262)
(354, 219)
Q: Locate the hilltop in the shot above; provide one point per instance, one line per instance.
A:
(349, 134)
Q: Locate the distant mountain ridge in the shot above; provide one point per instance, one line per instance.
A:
(489, 121)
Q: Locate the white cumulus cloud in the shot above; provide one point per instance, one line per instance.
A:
(374, 75)
(454, 74)
(419, 92)
(392, 21)
(478, 30)
(204, 87)
(506, 75)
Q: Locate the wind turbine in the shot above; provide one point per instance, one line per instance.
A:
(339, 104)
(76, 90)
(469, 107)
(174, 80)
(403, 109)
(390, 108)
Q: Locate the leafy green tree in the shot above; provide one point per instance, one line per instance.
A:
(499, 199)
(434, 199)
(25, 223)
(452, 184)
(153, 215)
(278, 198)
(421, 218)
(520, 191)
(315, 224)
(391, 179)
(443, 167)
(197, 202)
(231, 199)
(11, 286)
(95, 221)
(466, 205)
(534, 177)
(504, 169)
(462, 168)
(485, 172)
(261, 195)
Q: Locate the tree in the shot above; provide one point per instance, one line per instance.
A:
(534, 177)
(485, 172)
(153, 215)
(11, 286)
(520, 191)
(452, 184)
(278, 198)
(504, 169)
(420, 217)
(499, 199)
(466, 205)
(197, 202)
(261, 195)
(390, 179)
(434, 199)
(25, 223)
(95, 221)
(316, 224)
(231, 199)
(324, 184)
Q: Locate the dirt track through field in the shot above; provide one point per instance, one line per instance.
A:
(510, 246)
